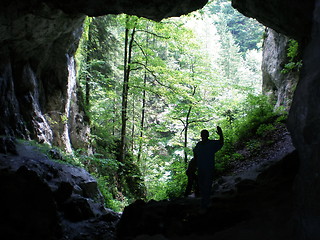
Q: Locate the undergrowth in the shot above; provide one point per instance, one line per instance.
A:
(250, 130)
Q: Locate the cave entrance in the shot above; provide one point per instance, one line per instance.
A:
(151, 87)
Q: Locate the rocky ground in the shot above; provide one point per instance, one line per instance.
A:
(275, 147)
(253, 201)
(43, 199)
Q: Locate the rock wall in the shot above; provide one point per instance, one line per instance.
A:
(304, 122)
(38, 39)
(278, 85)
(37, 74)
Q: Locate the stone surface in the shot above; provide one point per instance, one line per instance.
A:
(38, 73)
(37, 43)
(42, 199)
(304, 123)
(252, 206)
(305, 111)
(280, 86)
(152, 9)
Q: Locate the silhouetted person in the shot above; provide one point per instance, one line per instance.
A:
(204, 154)
(192, 178)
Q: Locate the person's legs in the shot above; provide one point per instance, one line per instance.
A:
(205, 185)
(189, 185)
(196, 186)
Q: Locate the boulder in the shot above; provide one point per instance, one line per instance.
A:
(43, 199)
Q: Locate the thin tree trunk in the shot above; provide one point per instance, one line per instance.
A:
(88, 59)
(133, 126)
(185, 145)
(125, 91)
(143, 111)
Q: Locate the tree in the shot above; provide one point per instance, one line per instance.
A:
(130, 30)
(154, 89)
(98, 74)
(237, 25)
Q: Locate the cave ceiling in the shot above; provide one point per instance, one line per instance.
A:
(152, 9)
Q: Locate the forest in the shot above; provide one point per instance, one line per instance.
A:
(149, 88)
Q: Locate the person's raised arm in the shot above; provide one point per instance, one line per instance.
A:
(220, 133)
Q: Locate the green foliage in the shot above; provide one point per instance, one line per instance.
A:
(237, 24)
(178, 180)
(180, 83)
(264, 129)
(131, 179)
(254, 121)
(282, 118)
(237, 157)
(257, 110)
(253, 146)
(168, 181)
(116, 202)
(294, 64)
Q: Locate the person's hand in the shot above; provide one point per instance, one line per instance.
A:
(219, 131)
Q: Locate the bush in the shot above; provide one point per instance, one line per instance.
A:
(294, 64)
(178, 180)
(264, 129)
(255, 119)
(258, 110)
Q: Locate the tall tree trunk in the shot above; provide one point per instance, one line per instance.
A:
(87, 91)
(125, 89)
(143, 111)
(88, 61)
(144, 93)
(133, 126)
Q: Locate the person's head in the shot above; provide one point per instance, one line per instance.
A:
(204, 135)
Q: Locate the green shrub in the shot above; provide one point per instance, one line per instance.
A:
(178, 180)
(264, 129)
(237, 157)
(258, 110)
(253, 146)
(294, 64)
(255, 119)
(109, 193)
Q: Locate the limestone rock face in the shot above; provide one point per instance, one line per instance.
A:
(38, 73)
(304, 122)
(276, 83)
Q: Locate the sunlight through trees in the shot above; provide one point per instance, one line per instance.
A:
(150, 87)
